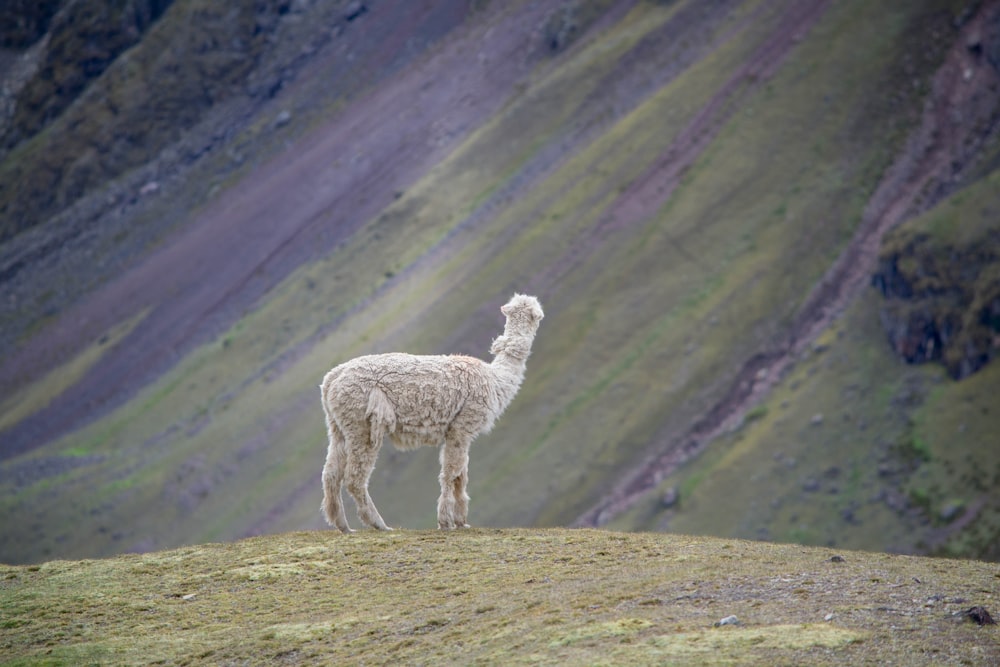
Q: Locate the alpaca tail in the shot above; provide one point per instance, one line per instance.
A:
(381, 413)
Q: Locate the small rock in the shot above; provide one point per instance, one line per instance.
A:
(974, 43)
(828, 617)
(149, 188)
(978, 615)
(811, 485)
(728, 620)
(950, 511)
(817, 419)
(354, 10)
(189, 596)
(837, 559)
(282, 118)
(895, 501)
(670, 497)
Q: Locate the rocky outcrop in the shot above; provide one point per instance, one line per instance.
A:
(83, 40)
(942, 299)
(146, 71)
(23, 22)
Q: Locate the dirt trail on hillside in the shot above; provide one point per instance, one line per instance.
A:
(965, 98)
(295, 208)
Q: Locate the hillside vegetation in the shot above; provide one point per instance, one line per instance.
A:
(696, 193)
(498, 597)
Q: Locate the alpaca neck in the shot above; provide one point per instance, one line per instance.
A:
(510, 363)
(512, 351)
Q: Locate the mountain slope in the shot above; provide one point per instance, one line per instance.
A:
(854, 446)
(677, 185)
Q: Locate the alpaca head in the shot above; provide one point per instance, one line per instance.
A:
(523, 314)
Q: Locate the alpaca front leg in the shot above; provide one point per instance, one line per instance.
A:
(446, 505)
(453, 504)
(460, 491)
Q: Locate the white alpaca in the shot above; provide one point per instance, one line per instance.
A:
(444, 400)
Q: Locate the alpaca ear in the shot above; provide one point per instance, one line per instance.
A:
(505, 309)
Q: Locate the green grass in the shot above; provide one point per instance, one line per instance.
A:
(495, 596)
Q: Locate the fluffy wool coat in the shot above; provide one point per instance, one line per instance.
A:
(438, 400)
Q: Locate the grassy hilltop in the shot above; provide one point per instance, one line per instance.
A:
(484, 596)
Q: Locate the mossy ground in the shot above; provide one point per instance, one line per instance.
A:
(497, 597)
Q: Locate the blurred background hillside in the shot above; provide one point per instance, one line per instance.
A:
(766, 235)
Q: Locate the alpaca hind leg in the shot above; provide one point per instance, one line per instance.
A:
(333, 478)
(453, 504)
(361, 455)
(460, 490)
